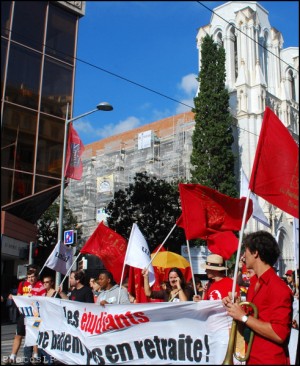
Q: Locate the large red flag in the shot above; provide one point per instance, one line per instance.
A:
(206, 211)
(73, 156)
(110, 247)
(224, 243)
(275, 171)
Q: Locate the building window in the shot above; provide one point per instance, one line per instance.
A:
(235, 53)
(291, 85)
(49, 153)
(56, 92)
(219, 39)
(23, 77)
(265, 57)
(43, 183)
(18, 138)
(28, 23)
(3, 62)
(61, 33)
(5, 18)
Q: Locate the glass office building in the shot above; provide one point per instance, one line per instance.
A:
(38, 48)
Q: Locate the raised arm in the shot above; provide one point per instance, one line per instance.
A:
(147, 288)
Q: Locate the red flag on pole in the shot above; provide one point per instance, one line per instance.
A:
(275, 171)
(110, 247)
(136, 285)
(206, 211)
(73, 155)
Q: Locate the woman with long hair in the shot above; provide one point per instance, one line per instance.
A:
(176, 287)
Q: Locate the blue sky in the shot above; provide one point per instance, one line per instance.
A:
(153, 44)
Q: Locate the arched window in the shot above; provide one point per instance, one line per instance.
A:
(265, 56)
(235, 59)
(291, 85)
(219, 39)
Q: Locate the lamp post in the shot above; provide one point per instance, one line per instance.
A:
(104, 106)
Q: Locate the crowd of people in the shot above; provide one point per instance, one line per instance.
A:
(257, 282)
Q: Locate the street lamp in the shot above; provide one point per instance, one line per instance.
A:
(104, 106)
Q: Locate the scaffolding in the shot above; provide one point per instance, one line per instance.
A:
(162, 151)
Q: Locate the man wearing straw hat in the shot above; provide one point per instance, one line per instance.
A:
(219, 284)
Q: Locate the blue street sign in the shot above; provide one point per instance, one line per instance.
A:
(69, 237)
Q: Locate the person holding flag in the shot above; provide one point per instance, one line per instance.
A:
(80, 291)
(219, 284)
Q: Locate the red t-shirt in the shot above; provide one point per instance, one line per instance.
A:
(274, 304)
(25, 289)
(219, 289)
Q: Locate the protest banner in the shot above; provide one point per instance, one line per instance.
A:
(152, 333)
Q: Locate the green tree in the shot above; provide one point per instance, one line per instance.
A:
(47, 226)
(151, 203)
(212, 158)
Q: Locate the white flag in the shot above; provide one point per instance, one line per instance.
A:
(60, 259)
(138, 254)
(258, 213)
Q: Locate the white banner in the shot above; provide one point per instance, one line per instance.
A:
(153, 333)
(144, 139)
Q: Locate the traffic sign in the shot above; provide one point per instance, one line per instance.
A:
(69, 237)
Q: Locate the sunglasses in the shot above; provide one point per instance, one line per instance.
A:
(46, 281)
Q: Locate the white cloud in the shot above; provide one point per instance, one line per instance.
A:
(182, 108)
(160, 114)
(189, 84)
(113, 129)
(85, 128)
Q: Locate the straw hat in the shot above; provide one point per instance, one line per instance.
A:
(215, 262)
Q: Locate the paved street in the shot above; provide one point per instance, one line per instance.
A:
(7, 336)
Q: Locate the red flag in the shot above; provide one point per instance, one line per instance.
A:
(224, 243)
(73, 156)
(136, 285)
(275, 172)
(110, 247)
(206, 211)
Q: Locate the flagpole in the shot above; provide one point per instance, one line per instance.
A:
(121, 281)
(161, 245)
(190, 259)
(104, 106)
(47, 259)
(240, 245)
(296, 249)
(124, 264)
(67, 274)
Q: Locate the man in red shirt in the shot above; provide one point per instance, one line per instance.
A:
(29, 287)
(219, 284)
(272, 298)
